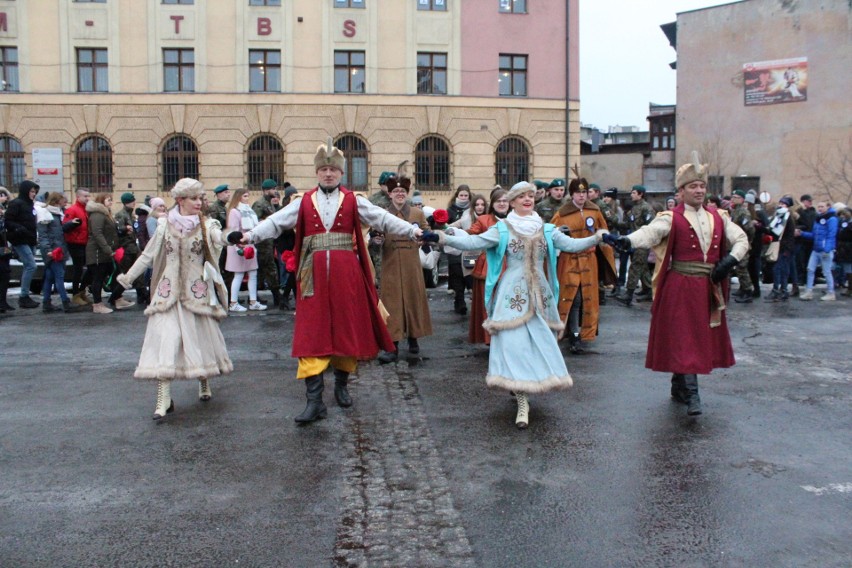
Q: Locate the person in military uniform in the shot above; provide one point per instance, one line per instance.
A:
(741, 216)
(218, 210)
(547, 207)
(126, 224)
(267, 267)
(387, 182)
(640, 215)
(541, 188)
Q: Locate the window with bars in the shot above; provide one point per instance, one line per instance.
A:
(432, 164)
(716, 185)
(432, 73)
(9, 68)
(264, 71)
(349, 71)
(432, 5)
(180, 160)
(662, 132)
(513, 75)
(349, 3)
(92, 70)
(265, 159)
(13, 168)
(93, 164)
(357, 160)
(264, 2)
(511, 162)
(513, 6)
(179, 70)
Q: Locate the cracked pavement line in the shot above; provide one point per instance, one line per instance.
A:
(397, 505)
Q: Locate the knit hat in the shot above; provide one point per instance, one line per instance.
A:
(739, 193)
(558, 182)
(749, 197)
(329, 155)
(519, 189)
(786, 200)
(611, 192)
(269, 184)
(220, 188)
(639, 189)
(127, 198)
(693, 171)
(187, 187)
(156, 202)
(290, 191)
(417, 200)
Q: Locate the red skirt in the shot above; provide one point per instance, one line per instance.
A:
(476, 333)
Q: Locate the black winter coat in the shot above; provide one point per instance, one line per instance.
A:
(21, 220)
(844, 241)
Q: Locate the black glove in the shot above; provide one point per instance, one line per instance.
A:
(235, 237)
(617, 242)
(564, 230)
(723, 268)
(429, 237)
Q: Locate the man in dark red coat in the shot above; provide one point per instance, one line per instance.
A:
(338, 321)
(697, 247)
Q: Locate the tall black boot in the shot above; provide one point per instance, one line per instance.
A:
(316, 408)
(390, 356)
(693, 401)
(4, 305)
(679, 389)
(626, 298)
(341, 393)
(276, 296)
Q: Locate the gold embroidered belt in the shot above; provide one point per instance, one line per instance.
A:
(318, 243)
(717, 300)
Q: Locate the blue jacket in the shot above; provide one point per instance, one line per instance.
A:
(824, 234)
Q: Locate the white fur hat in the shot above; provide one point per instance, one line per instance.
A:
(519, 189)
(187, 187)
(693, 171)
(329, 155)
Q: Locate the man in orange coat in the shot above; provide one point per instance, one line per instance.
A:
(579, 304)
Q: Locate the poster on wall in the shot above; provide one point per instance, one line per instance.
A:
(47, 169)
(773, 82)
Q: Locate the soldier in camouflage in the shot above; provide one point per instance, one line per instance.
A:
(555, 198)
(387, 182)
(267, 267)
(741, 216)
(219, 210)
(640, 215)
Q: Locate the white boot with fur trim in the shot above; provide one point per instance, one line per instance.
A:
(523, 418)
(204, 392)
(165, 404)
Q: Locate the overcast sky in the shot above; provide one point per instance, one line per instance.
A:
(624, 58)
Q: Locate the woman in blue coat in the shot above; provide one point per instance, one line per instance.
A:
(824, 236)
(523, 319)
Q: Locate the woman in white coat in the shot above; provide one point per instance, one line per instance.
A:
(241, 259)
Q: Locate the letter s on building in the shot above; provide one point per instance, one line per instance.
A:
(349, 28)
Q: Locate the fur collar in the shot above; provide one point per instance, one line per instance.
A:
(569, 207)
(95, 207)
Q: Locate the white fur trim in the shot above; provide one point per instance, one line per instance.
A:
(550, 383)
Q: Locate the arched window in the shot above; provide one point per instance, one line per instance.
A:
(93, 164)
(432, 164)
(357, 159)
(13, 168)
(265, 157)
(512, 162)
(180, 160)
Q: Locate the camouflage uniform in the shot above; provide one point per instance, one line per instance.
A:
(640, 215)
(219, 211)
(548, 207)
(127, 240)
(742, 218)
(383, 200)
(609, 214)
(267, 268)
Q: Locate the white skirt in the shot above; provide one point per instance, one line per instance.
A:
(182, 345)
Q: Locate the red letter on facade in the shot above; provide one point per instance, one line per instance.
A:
(4, 23)
(264, 26)
(349, 28)
(176, 20)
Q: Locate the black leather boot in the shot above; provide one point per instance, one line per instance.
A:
(574, 345)
(679, 389)
(626, 298)
(413, 346)
(693, 401)
(390, 356)
(341, 393)
(644, 295)
(316, 408)
(4, 304)
(276, 296)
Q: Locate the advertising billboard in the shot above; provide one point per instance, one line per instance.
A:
(774, 82)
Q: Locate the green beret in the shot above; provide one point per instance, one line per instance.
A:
(594, 186)
(540, 184)
(740, 193)
(558, 182)
(269, 184)
(127, 198)
(220, 188)
(640, 188)
(385, 176)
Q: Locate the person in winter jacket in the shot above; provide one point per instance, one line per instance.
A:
(100, 250)
(127, 225)
(54, 252)
(21, 234)
(5, 273)
(76, 239)
(782, 228)
(824, 237)
(843, 256)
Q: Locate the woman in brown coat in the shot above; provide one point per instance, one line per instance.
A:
(403, 290)
(100, 249)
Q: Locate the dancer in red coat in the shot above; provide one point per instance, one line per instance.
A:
(698, 247)
(338, 321)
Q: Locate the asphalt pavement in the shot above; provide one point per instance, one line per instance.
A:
(427, 468)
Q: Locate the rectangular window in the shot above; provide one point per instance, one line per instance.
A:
(90, 1)
(9, 69)
(432, 73)
(513, 75)
(513, 6)
(349, 71)
(92, 70)
(264, 2)
(432, 5)
(349, 3)
(186, 2)
(179, 70)
(264, 71)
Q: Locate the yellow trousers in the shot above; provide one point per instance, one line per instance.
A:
(310, 366)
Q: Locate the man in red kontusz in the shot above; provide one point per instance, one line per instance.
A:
(76, 239)
(338, 321)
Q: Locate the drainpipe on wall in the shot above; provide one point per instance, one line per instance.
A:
(567, 88)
